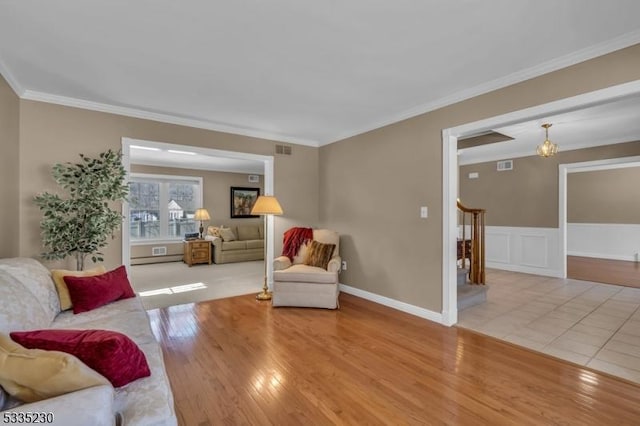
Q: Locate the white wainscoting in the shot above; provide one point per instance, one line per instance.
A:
(604, 240)
(528, 250)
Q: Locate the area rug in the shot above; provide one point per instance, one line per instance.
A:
(175, 283)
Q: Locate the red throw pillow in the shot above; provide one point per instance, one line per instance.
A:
(110, 353)
(120, 276)
(88, 293)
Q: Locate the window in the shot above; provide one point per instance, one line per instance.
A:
(162, 207)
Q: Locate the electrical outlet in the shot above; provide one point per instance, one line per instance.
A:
(344, 265)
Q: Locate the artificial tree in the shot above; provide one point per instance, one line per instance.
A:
(79, 224)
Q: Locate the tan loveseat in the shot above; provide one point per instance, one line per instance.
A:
(236, 243)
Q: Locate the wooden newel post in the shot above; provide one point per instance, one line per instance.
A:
(477, 262)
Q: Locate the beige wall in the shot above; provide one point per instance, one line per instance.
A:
(52, 133)
(371, 185)
(9, 138)
(527, 196)
(216, 195)
(604, 196)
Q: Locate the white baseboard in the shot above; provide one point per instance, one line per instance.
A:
(603, 256)
(395, 304)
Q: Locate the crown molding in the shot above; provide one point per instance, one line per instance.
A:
(33, 95)
(11, 80)
(582, 55)
(620, 42)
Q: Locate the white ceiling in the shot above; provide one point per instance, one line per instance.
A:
(153, 154)
(294, 71)
(605, 124)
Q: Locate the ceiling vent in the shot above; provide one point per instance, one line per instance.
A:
(483, 138)
(283, 149)
(505, 165)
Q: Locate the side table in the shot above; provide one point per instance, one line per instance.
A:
(197, 251)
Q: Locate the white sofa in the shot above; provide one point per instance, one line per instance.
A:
(29, 301)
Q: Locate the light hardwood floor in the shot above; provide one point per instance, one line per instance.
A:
(607, 271)
(239, 361)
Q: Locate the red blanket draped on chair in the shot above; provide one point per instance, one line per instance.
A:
(293, 239)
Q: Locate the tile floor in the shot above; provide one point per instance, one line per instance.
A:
(591, 324)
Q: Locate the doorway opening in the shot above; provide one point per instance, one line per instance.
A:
(599, 239)
(177, 171)
(450, 138)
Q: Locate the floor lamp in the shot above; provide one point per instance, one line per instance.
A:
(264, 206)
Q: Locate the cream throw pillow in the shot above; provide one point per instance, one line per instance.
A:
(63, 292)
(214, 231)
(33, 374)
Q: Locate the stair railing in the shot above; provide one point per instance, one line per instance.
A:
(476, 261)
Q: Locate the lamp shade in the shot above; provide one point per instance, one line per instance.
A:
(201, 214)
(266, 204)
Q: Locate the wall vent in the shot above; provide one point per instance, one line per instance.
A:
(254, 178)
(158, 251)
(505, 165)
(283, 149)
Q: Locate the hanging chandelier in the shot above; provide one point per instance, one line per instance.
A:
(547, 148)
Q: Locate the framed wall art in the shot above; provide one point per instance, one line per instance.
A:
(242, 201)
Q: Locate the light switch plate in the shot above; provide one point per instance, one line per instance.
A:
(424, 212)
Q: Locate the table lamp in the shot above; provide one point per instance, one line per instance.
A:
(201, 215)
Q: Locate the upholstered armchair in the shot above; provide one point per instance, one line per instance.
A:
(298, 284)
